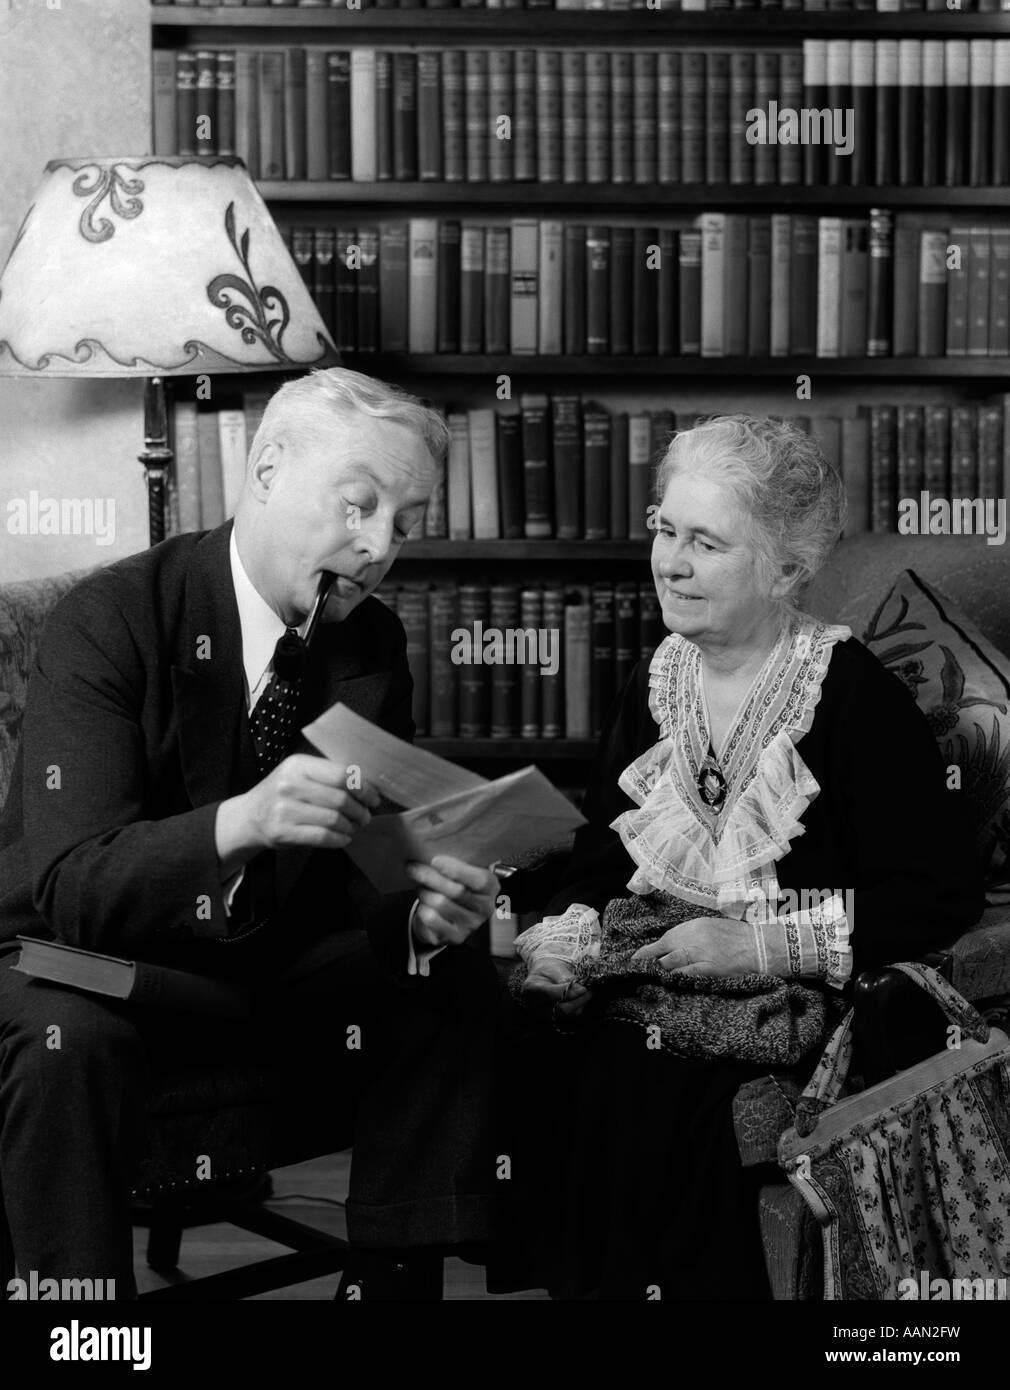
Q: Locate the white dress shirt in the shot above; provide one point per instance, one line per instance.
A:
(261, 629)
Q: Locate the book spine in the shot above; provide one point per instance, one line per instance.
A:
(667, 278)
(856, 473)
(981, 53)
(815, 98)
(405, 123)
(855, 285)
(444, 674)
(932, 333)
(531, 619)
(713, 283)
(548, 123)
(990, 452)
(626, 643)
(566, 450)
(536, 436)
(164, 117)
(596, 472)
(883, 468)
(345, 273)
(430, 164)
(717, 99)
(317, 153)
(957, 65)
(668, 116)
(1001, 113)
(454, 115)
(524, 124)
(886, 109)
(905, 326)
(622, 156)
(423, 286)
(505, 617)
(602, 653)
(646, 289)
(447, 278)
(187, 465)
(936, 450)
(247, 117)
(475, 69)
(781, 291)
(211, 485)
(185, 102)
(963, 458)
(338, 108)
(500, 114)
(689, 284)
(368, 290)
(497, 288)
(881, 284)
(393, 287)
(620, 485)
(759, 271)
(932, 135)
(574, 306)
(458, 476)
(910, 112)
(957, 292)
(484, 474)
(578, 665)
(573, 115)
(734, 326)
(511, 482)
(978, 293)
(597, 289)
(692, 116)
(650, 622)
(621, 289)
(524, 306)
(640, 463)
(598, 117)
(803, 287)
(325, 278)
(471, 289)
(999, 285)
(206, 102)
(741, 100)
(911, 460)
(550, 284)
(790, 156)
(860, 158)
(474, 676)
(551, 676)
(364, 145)
(645, 128)
(412, 610)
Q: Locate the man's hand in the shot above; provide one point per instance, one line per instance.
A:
(304, 801)
(549, 986)
(705, 946)
(455, 899)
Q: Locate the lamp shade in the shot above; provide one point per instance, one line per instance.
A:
(153, 266)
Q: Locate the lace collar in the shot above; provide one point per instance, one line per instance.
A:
(680, 844)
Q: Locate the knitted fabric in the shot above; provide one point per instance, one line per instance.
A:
(750, 1018)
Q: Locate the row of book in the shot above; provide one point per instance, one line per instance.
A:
(522, 661)
(562, 467)
(726, 285)
(839, 112)
(670, 6)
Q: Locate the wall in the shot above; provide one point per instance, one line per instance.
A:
(74, 80)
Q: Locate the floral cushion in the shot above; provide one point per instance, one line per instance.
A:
(962, 685)
(24, 608)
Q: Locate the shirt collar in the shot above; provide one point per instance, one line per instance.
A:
(260, 625)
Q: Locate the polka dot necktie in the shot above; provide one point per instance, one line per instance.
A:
(273, 719)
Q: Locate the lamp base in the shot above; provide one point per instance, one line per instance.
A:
(156, 456)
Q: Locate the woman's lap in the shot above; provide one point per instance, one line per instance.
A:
(626, 1179)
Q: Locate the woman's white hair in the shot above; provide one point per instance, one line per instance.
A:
(305, 408)
(793, 496)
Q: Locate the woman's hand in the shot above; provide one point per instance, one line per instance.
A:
(705, 946)
(550, 986)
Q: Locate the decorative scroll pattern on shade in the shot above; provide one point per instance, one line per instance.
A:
(172, 266)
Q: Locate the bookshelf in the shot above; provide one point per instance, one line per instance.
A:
(630, 381)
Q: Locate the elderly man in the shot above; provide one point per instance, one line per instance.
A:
(158, 811)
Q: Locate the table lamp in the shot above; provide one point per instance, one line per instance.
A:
(154, 267)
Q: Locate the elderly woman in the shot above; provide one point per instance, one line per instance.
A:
(769, 808)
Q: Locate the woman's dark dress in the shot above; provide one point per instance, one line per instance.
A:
(625, 1169)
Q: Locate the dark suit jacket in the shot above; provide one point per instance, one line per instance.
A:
(136, 729)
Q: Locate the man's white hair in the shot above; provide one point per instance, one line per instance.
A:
(305, 408)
